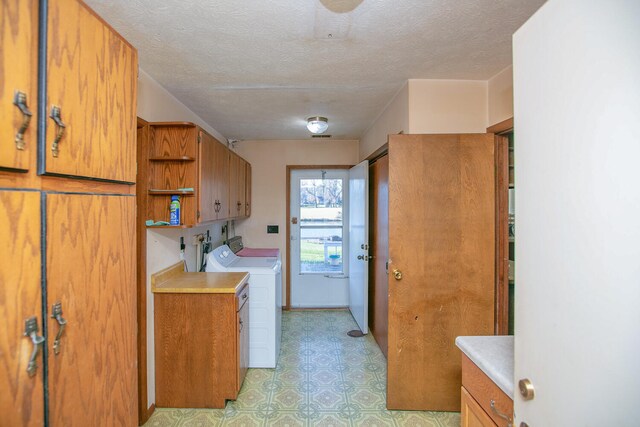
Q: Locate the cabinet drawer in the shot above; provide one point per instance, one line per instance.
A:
(242, 297)
(484, 390)
(471, 414)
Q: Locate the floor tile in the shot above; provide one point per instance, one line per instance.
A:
(323, 378)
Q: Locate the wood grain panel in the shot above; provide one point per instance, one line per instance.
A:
(502, 236)
(92, 77)
(170, 175)
(176, 140)
(142, 152)
(379, 248)
(195, 342)
(483, 390)
(206, 172)
(18, 50)
(248, 184)
(222, 180)
(471, 414)
(21, 399)
(234, 164)
(442, 239)
(91, 271)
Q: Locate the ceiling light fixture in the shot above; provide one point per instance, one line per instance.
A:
(317, 124)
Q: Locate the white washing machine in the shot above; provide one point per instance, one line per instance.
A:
(265, 301)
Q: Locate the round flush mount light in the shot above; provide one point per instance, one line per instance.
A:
(317, 124)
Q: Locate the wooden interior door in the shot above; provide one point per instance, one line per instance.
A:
(18, 34)
(91, 272)
(379, 249)
(92, 79)
(21, 399)
(442, 268)
(206, 171)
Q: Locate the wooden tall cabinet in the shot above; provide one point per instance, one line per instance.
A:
(67, 219)
(239, 169)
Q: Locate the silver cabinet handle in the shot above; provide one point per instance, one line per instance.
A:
(20, 101)
(56, 313)
(500, 414)
(31, 331)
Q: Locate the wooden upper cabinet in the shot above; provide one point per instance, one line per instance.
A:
(242, 188)
(21, 399)
(221, 175)
(234, 165)
(247, 192)
(207, 191)
(92, 90)
(18, 88)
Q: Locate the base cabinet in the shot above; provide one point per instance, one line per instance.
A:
(484, 404)
(201, 346)
(472, 414)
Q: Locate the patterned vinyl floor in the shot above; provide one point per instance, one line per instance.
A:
(324, 378)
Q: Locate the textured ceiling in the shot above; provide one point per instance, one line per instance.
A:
(256, 69)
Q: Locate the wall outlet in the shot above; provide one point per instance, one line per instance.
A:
(272, 229)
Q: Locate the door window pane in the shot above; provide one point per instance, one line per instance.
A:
(321, 226)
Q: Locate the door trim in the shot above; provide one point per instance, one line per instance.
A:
(291, 168)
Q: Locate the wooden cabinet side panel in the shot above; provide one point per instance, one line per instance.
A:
(92, 77)
(21, 399)
(91, 271)
(442, 240)
(18, 48)
(471, 414)
(379, 248)
(195, 336)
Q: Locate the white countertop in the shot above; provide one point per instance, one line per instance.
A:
(494, 356)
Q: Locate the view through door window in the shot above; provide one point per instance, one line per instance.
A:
(321, 226)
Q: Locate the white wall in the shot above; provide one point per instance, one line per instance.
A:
(394, 118)
(577, 301)
(447, 106)
(156, 104)
(500, 96)
(269, 160)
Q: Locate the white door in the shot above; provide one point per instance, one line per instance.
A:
(359, 244)
(577, 184)
(319, 238)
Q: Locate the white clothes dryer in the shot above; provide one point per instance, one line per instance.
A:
(265, 301)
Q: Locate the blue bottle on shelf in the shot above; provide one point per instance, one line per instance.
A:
(175, 210)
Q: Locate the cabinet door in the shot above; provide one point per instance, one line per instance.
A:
(206, 171)
(92, 80)
(222, 181)
(21, 399)
(234, 164)
(91, 272)
(18, 33)
(242, 187)
(472, 415)
(247, 193)
(243, 343)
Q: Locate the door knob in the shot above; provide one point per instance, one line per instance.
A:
(526, 389)
(397, 274)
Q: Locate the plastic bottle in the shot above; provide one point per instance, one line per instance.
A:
(174, 207)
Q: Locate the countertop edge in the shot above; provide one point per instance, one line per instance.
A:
(486, 352)
(161, 282)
